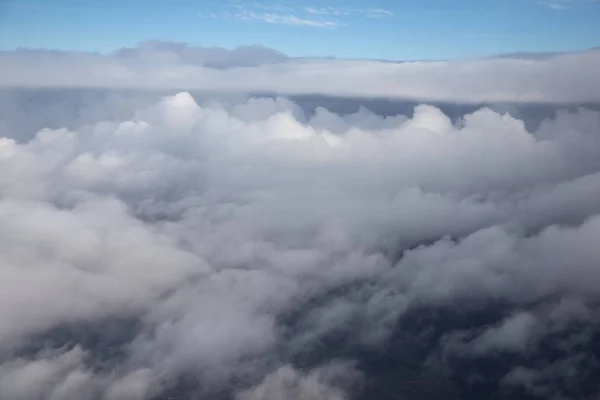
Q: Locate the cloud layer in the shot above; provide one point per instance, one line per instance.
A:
(568, 77)
(209, 249)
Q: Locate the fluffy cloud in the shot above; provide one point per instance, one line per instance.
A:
(567, 77)
(61, 375)
(241, 238)
(321, 383)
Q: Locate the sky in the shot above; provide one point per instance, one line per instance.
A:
(377, 29)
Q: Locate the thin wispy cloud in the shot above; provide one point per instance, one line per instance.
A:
(325, 11)
(562, 5)
(358, 12)
(378, 13)
(286, 19)
(306, 16)
(554, 6)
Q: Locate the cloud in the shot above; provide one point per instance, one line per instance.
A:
(379, 13)
(62, 374)
(554, 6)
(161, 52)
(277, 14)
(320, 383)
(324, 11)
(516, 333)
(248, 243)
(286, 19)
(293, 15)
(562, 5)
(350, 12)
(569, 77)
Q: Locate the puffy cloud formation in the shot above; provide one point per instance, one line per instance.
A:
(321, 383)
(564, 77)
(236, 249)
(62, 375)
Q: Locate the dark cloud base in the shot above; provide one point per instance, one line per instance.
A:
(411, 365)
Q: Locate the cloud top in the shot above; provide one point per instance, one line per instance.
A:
(566, 77)
(237, 239)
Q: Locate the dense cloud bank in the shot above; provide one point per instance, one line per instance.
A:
(563, 77)
(249, 250)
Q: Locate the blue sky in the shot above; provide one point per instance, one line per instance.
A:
(380, 29)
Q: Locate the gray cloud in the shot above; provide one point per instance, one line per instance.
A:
(326, 382)
(241, 236)
(569, 77)
(209, 57)
(61, 375)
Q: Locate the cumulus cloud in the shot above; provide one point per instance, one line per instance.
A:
(248, 242)
(324, 382)
(62, 374)
(568, 77)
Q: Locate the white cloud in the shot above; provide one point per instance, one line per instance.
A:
(211, 224)
(323, 11)
(286, 19)
(562, 5)
(350, 12)
(293, 15)
(379, 13)
(565, 77)
(554, 6)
